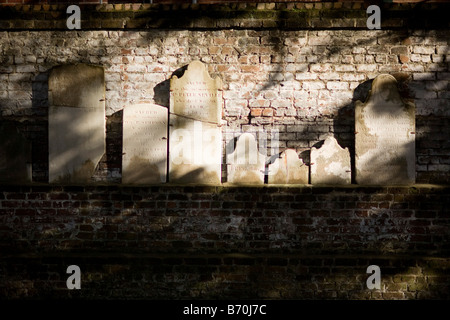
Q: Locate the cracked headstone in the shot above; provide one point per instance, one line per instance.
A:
(288, 169)
(76, 122)
(245, 165)
(195, 143)
(330, 164)
(144, 158)
(384, 136)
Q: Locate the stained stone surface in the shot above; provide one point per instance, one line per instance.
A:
(195, 147)
(330, 164)
(245, 165)
(385, 136)
(288, 169)
(15, 155)
(144, 156)
(76, 122)
(196, 95)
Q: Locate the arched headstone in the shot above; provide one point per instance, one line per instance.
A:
(195, 144)
(246, 164)
(76, 122)
(288, 169)
(384, 136)
(330, 164)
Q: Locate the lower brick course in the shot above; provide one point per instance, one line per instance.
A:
(175, 242)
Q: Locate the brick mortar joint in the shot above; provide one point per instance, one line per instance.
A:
(260, 6)
(236, 255)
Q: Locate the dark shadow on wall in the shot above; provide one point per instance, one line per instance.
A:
(162, 244)
(344, 122)
(110, 166)
(39, 137)
(15, 153)
(162, 90)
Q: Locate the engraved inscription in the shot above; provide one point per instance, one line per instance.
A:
(195, 136)
(144, 144)
(384, 140)
(195, 99)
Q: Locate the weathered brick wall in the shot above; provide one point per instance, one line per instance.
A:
(302, 83)
(296, 68)
(221, 242)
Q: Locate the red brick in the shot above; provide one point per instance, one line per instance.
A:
(250, 68)
(267, 112)
(256, 112)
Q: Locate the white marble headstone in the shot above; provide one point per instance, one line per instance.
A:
(330, 164)
(195, 145)
(144, 157)
(246, 164)
(385, 136)
(288, 169)
(76, 122)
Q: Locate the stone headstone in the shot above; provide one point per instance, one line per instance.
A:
(15, 155)
(76, 122)
(195, 143)
(288, 169)
(144, 157)
(330, 164)
(245, 165)
(385, 136)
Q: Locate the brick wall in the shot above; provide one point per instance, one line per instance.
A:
(221, 242)
(302, 83)
(296, 68)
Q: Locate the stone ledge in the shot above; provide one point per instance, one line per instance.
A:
(323, 15)
(196, 188)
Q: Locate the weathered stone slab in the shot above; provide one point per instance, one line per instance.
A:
(76, 122)
(246, 164)
(196, 95)
(144, 158)
(15, 155)
(195, 147)
(330, 164)
(288, 169)
(385, 136)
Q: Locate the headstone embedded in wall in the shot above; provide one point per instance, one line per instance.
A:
(144, 156)
(288, 169)
(15, 155)
(76, 122)
(245, 165)
(384, 136)
(330, 164)
(195, 135)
